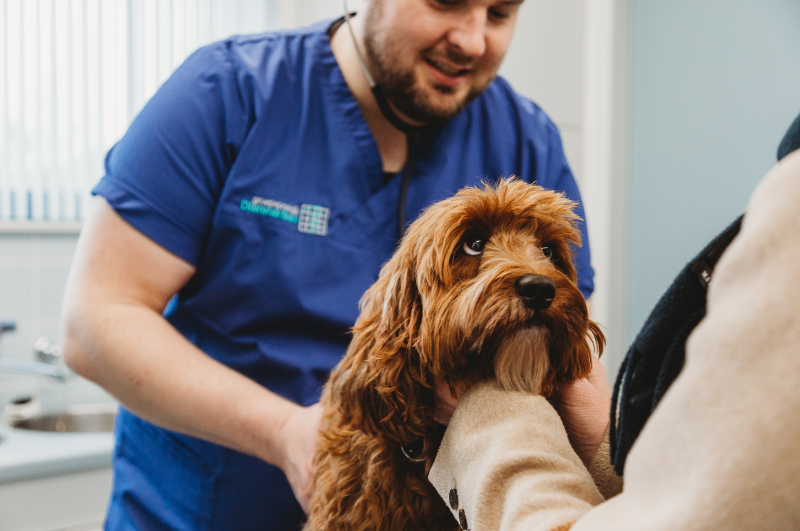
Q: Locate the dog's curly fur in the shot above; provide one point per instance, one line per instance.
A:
(437, 312)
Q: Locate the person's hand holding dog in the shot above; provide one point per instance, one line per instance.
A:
(582, 404)
(584, 407)
(299, 434)
(445, 401)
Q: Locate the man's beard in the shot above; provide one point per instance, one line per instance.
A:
(400, 87)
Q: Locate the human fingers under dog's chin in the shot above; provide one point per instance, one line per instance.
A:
(301, 435)
(584, 406)
(445, 402)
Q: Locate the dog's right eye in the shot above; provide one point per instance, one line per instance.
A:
(473, 246)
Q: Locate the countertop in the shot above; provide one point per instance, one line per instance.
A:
(28, 454)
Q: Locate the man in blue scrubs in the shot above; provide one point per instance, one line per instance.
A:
(265, 184)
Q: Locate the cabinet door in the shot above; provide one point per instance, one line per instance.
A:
(69, 502)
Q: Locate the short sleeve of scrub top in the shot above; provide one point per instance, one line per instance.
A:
(165, 175)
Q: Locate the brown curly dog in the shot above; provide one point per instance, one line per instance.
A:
(482, 286)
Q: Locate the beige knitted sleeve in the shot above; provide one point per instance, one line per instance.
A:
(607, 481)
(507, 463)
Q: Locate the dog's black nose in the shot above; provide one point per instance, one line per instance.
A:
(537, 291)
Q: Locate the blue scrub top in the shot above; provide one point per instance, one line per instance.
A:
(253, 163)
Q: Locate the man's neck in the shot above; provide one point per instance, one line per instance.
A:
(391, 142)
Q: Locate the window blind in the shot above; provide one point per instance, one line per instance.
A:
(73, 74)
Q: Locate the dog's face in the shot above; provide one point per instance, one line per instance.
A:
(481, 286)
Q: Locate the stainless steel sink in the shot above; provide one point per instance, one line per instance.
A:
(83, 418)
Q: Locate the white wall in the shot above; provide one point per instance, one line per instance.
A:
(545, 63)
(33, 274)
(303, 12)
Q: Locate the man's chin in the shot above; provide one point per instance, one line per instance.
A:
(446, 90)
(439, 103)
(434, 113)
(428, 102)
(446, 105)
(446, 101)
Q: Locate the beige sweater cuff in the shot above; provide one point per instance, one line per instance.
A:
(607, 481)
(506, 463)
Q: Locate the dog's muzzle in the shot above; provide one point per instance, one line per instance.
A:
(537, 291)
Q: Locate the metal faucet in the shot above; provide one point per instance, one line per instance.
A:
(46, 352)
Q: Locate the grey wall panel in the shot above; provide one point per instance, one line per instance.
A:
(715, 83)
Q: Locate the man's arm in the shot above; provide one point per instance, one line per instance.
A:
(115, 335)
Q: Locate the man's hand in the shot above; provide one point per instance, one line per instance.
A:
(584, 407)
(299, 434)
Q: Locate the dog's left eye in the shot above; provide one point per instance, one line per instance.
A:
(548, 252)
(473, 246)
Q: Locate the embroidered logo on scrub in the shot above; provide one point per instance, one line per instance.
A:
(311, 219)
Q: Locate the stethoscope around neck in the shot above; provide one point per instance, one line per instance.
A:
(411, 131)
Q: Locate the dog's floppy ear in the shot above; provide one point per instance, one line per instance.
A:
(386, 386)
(597, 337)
(576, 362)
